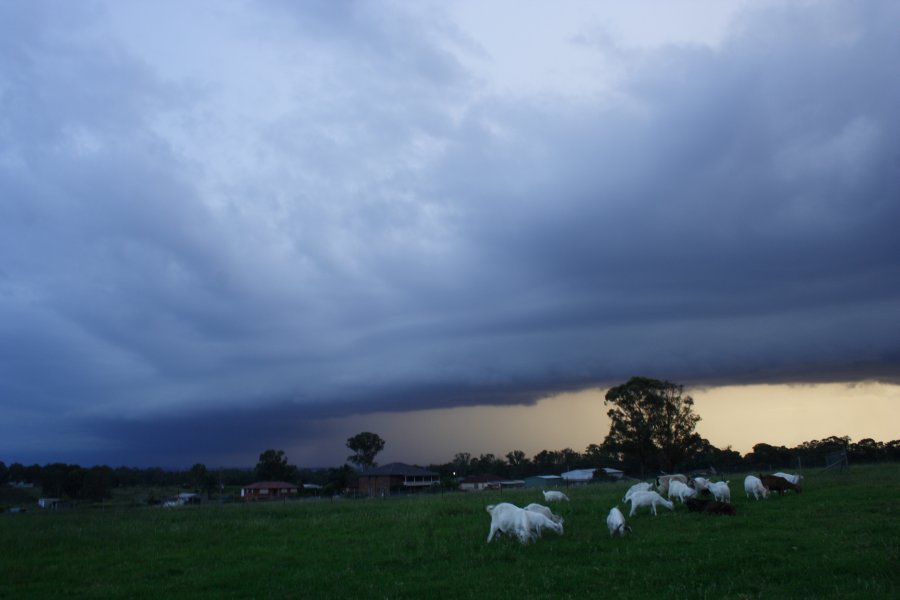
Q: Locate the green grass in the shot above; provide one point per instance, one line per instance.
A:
(838, 539)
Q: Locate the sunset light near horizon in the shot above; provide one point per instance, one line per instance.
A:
(736, 416)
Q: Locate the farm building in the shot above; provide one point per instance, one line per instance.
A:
(268, 490)
(543, 481)
(477, 483)
(587, 475)
(395, 477)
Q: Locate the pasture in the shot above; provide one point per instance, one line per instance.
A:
(840, 538)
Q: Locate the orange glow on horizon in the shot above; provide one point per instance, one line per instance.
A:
(736, 416)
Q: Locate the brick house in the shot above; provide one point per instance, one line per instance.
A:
(269, 490)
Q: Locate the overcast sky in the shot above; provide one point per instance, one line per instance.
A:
(224, 221)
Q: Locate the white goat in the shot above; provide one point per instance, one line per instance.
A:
(681, 491)
(795, 479)
(615, 521)
(526, 525)
(720, 491)
(753, 485)
(554, 496)
(509, 518)
(537, 522)
(650, 499)
(638, 487)
(662, 482)
(540, 508)
(700, 484)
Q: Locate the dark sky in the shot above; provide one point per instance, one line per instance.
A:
(221, 222)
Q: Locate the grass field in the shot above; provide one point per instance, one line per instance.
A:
(840, 538)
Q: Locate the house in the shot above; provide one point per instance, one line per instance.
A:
(50, 503)
(269, 490)
(543, 481)
(477, 483)
(395, 477)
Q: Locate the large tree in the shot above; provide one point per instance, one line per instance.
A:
(273, 466)
(365, 446)
(652, 423)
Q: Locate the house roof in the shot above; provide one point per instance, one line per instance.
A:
(271, 485)
(579, 474)
(398, 469)
(481, 478)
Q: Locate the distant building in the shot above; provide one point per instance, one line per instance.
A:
(543, 481)
(395, 477)
(50, 503)
(579, 476)
(477, 483)
(269, 490)
(181, 500)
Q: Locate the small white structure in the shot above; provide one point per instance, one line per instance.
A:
(48, 502)
(587, 475)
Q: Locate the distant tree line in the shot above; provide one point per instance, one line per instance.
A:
(652, 430)
(515, 465)
(97, 483)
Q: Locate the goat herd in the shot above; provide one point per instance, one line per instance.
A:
(527, 524)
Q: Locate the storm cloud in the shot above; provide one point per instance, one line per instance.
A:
(240, 217)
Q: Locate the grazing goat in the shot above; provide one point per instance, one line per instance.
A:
(526, 525)
(638, 487)
(753, 485)
(537, 522)
(681, 491)
(700, 484)
(662, 482)
(778, 484)
(713, 507)
(650, 499)
(540, 508)
(720, 491)
(795, 479)
(509, 518)
(553, 496)
(615, 521)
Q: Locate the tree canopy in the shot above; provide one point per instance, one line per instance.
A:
(365, 446)
(652, 423)
(273, 466)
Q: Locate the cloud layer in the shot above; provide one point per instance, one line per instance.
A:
(278, 212)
